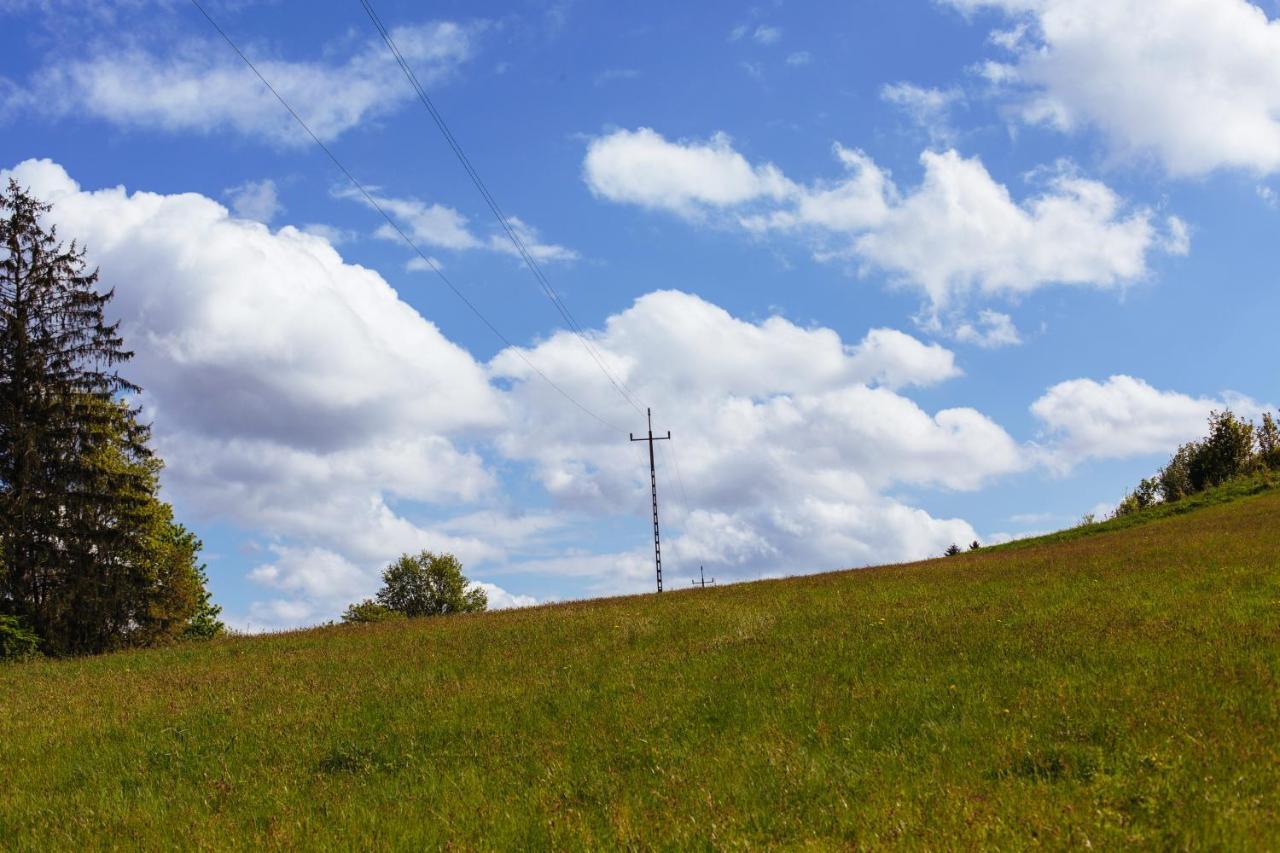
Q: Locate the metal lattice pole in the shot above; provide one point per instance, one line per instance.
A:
(653, 485)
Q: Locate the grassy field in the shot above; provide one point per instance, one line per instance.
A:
(1111, 689)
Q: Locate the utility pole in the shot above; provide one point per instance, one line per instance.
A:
(702, 581)
(653, 483)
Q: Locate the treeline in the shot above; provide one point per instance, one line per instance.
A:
(91, 559)
(1234, 447)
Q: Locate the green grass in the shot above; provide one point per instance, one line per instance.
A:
(1118, 688)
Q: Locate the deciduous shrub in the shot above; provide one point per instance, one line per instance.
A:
(367, 612)
(1175, 478)
(1269, 442)
(16, 642)
(1224, 454)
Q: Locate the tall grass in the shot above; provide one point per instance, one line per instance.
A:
(1112, 689)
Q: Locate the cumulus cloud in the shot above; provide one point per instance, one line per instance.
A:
(297, 397)
(201, 86)
(255, 200)
(991, 330)
(1123, 416)
(895, 360)
(1195, 83)
(292, 393)
(958, 232)
(641, 167)
(788, 437)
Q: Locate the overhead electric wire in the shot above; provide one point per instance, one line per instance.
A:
(675, 457)
(512, 234)
(390, 221)
(684, 495)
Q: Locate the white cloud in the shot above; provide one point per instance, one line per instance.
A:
(291, 393)
(859, 201)
(442, 227)
(766, 34)
(799, 57)
(431, 224)
(641, 167)
(895, 360)
(417, 264)
(315, 573)
(992, 330)
(335, 236)
(958, 232)
(962, 231)
(202, 86)
(1196, 83)
(500, 599)
(787, 440)
(545, 252)
(1122, 417)
(296, 395)
(255, 200)
(929, 108)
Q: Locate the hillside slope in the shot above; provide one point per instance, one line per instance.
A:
(1117, 688)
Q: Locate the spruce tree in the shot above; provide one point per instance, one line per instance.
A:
(92, 557)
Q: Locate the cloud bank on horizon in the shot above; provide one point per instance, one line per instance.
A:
(308, 398)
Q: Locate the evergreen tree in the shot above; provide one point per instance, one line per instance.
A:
(92, 557)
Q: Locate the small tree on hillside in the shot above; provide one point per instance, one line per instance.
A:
(1146, 494)
(428, 584)
(368, 612)
(1174, 480)
(952, 550)
(1225, 452)
(1269, 442)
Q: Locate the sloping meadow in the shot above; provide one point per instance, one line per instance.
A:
(1119, 688)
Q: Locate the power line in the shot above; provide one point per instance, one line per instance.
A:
(512, 234)
(390, 221)
(529, 260)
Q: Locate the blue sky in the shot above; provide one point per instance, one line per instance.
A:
(893, 274)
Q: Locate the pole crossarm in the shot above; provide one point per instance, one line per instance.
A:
(653, 485)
